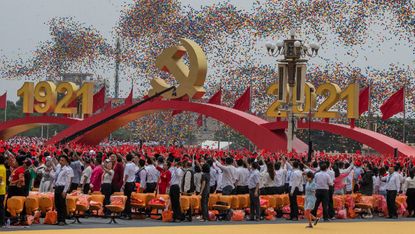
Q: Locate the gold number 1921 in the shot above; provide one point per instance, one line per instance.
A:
(43, 98)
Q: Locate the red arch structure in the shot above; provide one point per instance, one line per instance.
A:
(380, 143)
(265, 135)
(16, 126)
(248, 125)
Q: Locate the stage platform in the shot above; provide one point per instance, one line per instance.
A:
(100, 226)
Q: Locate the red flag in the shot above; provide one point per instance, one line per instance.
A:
(243, 102)
(394, 105)
(199, 121)
(129, 99)
(176, 112)
(364, 100)
(3, 101)
(108, 105)
(215, 99)
(99, 99)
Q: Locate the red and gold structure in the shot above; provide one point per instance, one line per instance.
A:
(47, 98)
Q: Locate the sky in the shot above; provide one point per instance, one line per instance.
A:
(23, 22)
(23, 26)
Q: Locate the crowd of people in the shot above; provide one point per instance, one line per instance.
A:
(233, 39)
(181, 171)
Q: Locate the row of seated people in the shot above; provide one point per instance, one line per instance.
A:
(157, 205)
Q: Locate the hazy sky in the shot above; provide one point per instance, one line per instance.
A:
(23, 26)
(23, 22)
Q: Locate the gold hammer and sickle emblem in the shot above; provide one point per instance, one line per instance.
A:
(190, 78)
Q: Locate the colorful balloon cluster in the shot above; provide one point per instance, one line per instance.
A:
(73, 46)
(233, 40)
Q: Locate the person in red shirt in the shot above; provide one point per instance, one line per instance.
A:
(118, 180)
(17, 181)
(164, 180)
(96, 176)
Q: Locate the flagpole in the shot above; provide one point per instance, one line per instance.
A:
(117, 67)
(116, 90)
(217, 121)
(250, 95)
(404, 114)
(250, 105)
(132, 88)
(5, 112)
(370, 114)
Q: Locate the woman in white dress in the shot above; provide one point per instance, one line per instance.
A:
(48, 175)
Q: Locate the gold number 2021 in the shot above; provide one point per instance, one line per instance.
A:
(333, 95)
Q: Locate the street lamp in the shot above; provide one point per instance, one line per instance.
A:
(291, 71)
(310, 143)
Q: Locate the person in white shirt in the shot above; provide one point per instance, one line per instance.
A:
(86, 176)
(219, 183)
(262, 166)
(152, 177)
(392, 188)
(262, 182)
(198, 178)
(141, 175)
(323, 182)
(106, 183)
(228, 176)
(376, 181)
(348, 181)
(383, 177)
(280, 177)
(401, 178)
(48, 174)
(213, 182)
(269, 180)
(62, 185)
(58, 168)
(409, 190)
(331, 210)
(242, 174)
(289, 170)
(76, 166)
(253, 186)
(296, 182)
(129, 183)
(174, 193)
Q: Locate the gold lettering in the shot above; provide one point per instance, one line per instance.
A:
(45, 97)
(26, 92)
(351, 95)
(334, 95)
(68, 89)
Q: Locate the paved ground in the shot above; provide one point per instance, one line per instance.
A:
(99, 225)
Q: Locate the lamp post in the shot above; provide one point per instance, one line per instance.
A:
(310, 143)
(291, 71)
